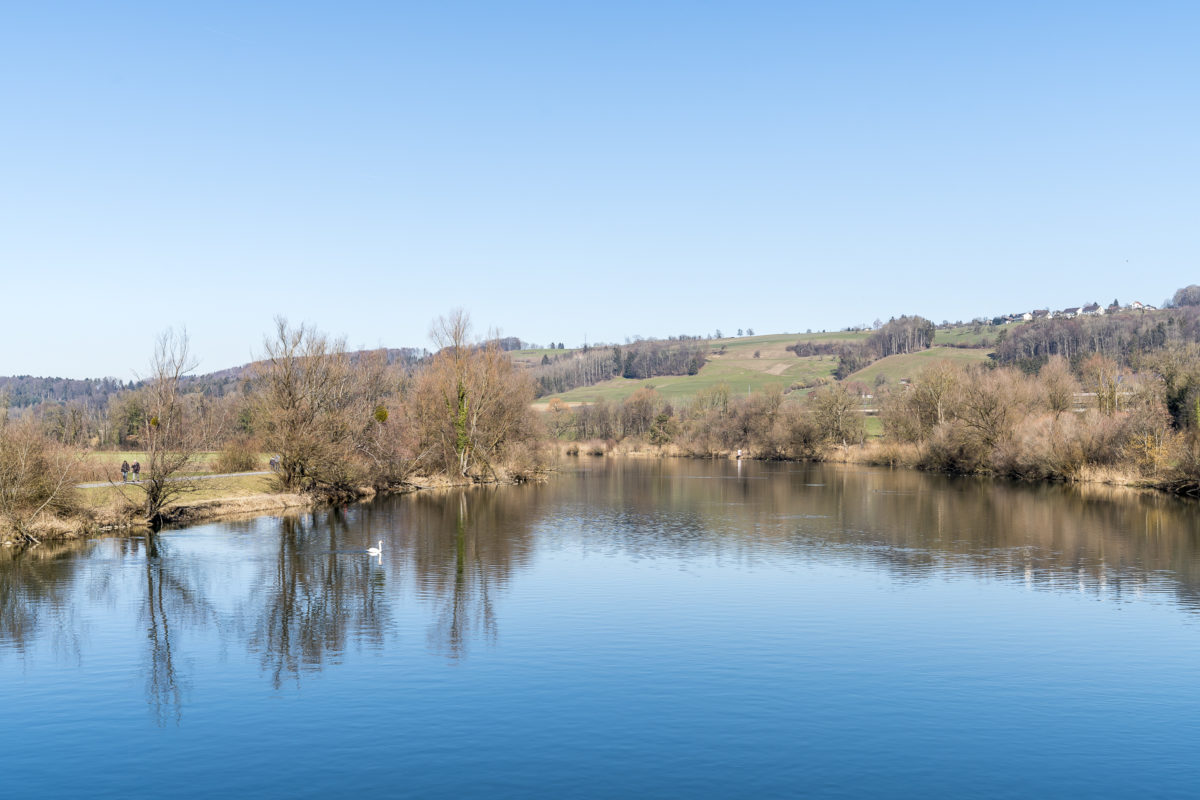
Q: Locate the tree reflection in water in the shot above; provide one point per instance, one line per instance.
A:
(37, 592)
(915, 525)
(317, 597)
(163, 692)
(449, 556)
(467, 609)
(465, 546)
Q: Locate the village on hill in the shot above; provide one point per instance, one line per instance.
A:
(1089, 310)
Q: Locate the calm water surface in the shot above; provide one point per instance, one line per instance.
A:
(671, 629)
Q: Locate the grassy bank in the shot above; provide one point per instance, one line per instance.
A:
(118, 506)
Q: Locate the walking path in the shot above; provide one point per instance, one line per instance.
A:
(180, 478)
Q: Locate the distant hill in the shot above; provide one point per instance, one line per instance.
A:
(894, 369)
(21, 391)
(733, 362)
(26, 390)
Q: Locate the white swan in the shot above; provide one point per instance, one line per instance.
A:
(375, 551)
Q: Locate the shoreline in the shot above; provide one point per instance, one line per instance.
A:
(876, 454)
(116, 520)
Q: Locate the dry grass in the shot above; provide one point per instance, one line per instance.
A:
(881, 452)
(1109, 475)
(104, 465)
(129, 494)
(224, 508)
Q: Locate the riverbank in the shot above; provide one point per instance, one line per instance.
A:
(883, 454)
(114, 508)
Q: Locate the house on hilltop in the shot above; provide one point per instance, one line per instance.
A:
(1069, 313)
(1092, 310)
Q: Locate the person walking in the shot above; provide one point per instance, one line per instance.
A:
(137, 472)
(124, 471)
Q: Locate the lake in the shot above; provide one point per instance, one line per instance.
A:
(671, 628)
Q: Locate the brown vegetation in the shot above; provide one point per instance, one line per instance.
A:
(36, 479)
(1113, 398)
(1098, 421)
(340, 425)
(471, 406)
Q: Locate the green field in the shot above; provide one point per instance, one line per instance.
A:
(909, 365)
(873, 426)
(532, 358)
(968, 335)
(732, 362)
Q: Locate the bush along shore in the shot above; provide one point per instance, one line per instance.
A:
(1095, 421)
(1114, 400)
(337, 427)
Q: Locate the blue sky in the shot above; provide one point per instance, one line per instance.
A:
(571, 170)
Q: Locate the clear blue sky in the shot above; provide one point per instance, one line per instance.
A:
(567, 169)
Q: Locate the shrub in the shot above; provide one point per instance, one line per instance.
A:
(36, 475)
(238, 455)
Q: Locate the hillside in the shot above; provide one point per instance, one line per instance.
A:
(26, 390)
(909, 365)
(732, 362)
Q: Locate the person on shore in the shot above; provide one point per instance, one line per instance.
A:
(124, 471)
(137, 472)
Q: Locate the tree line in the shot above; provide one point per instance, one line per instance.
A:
(334, 422)
(716, 422)
(1127, 338)
(637, 361)
(1094, 419)
(897, 336)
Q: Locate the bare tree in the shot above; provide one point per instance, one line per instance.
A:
(1057, 385)
(470, 401)
(318, 410)
(35, 476)
(1102, 376)
(170, 440)
(838, 414)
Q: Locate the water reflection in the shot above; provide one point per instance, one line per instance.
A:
(314, 597)
(464, 547)
(298, 592)
(36, 596)
(1103, 540)
(167, 597)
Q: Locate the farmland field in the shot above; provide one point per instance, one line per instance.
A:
(897, 368)
(732, 362)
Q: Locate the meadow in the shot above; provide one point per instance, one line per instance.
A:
(733, 362)
(105, 465)
(235, 486)
(909, 365)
